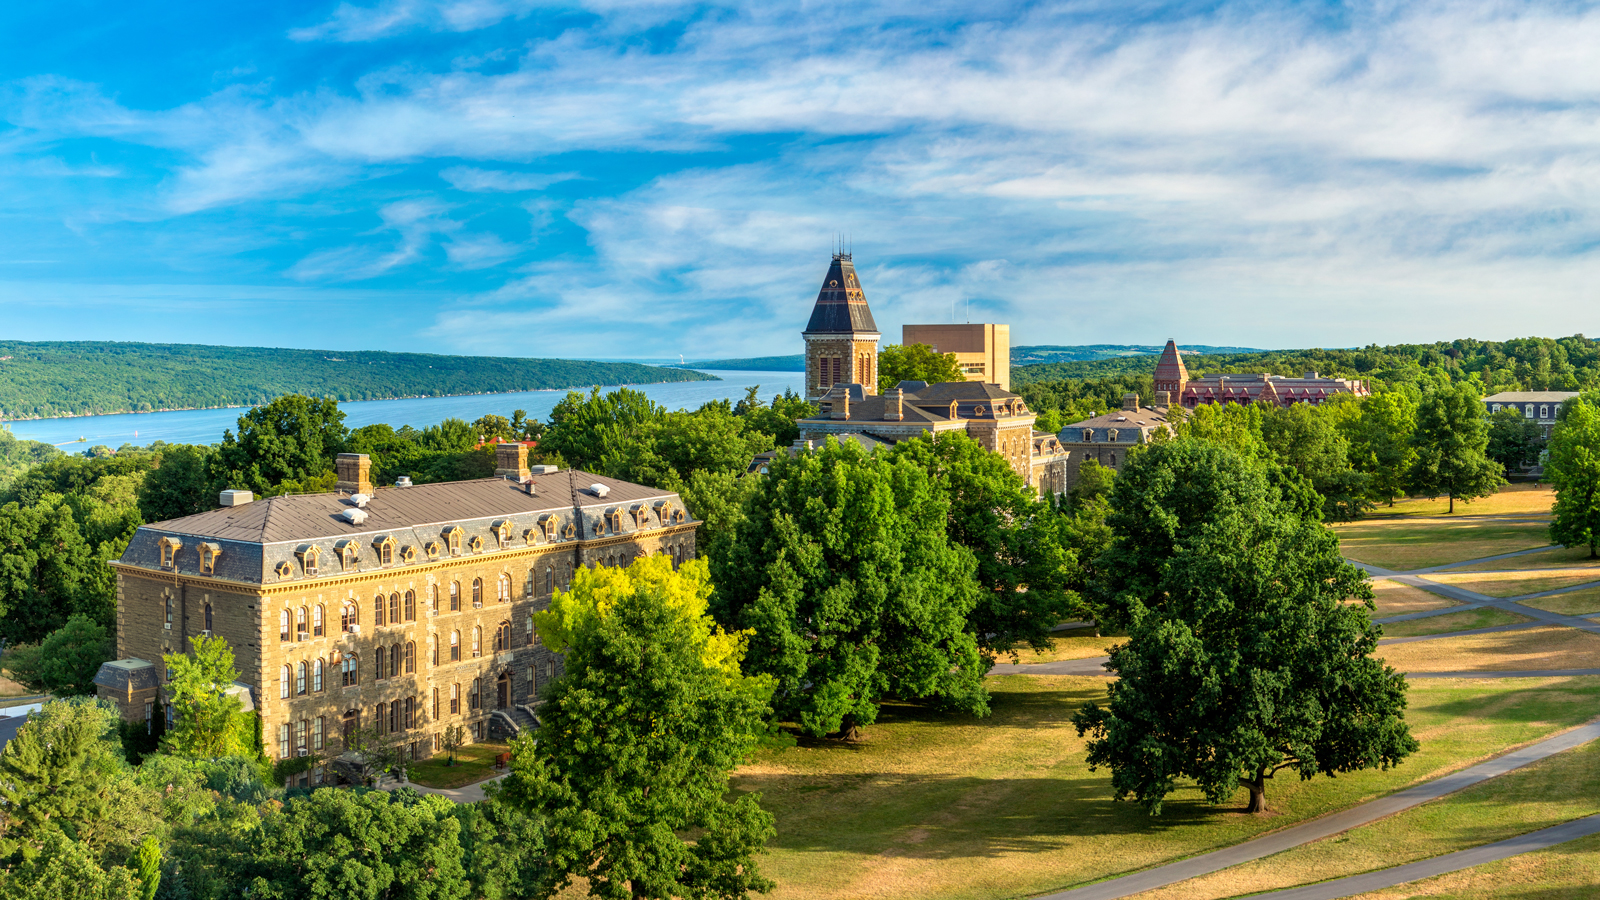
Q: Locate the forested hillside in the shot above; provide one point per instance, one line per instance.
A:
(57, 378)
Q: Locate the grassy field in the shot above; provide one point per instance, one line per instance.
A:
(1567, 872)
(1554, 790)
(474, 763)
(1069, 645)
(1512, 500)
(1395, 599)
(1554, 558)
(942, 806)
(1554, 647)
(1403, 545)
(1482, 617)
(1515, 584)
(1576, 603)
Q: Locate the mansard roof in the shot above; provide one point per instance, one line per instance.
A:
(841, 305)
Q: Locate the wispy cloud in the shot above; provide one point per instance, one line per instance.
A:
(466, 178)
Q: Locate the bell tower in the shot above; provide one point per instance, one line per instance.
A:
(841, 338)
(1171, 377)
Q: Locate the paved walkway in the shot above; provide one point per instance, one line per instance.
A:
(471, 793)
(1329, 825)
(1439, 865)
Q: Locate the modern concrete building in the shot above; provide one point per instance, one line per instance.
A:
(983, 350)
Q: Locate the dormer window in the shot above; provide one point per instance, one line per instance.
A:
(308, 554)
(569, 532)
(641, 516)
(284, 570)
(408, 555)
(502, 533)
(169, 552)
(678, 516)
(1111, 435)
(452, 536)
(349, 554)
(432, 549)
(476, 544)
(1088, 435)
(208, 558)
(548, 524)
(385, 546)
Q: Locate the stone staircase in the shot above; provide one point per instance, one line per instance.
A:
(510, 721)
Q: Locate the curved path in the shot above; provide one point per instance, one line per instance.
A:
(1329, 825)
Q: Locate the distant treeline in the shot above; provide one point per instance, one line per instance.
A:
(794, 363)
(59, 378)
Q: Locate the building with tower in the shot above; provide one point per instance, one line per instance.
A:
(841, 338)
(1172, 376)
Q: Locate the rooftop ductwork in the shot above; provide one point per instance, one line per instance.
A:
(354, 516)
(599, 490)
(236, 498)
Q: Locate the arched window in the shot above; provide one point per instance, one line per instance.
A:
(501, 642)
(394, 661)
(505, 588)
(351, 721)
(455, 646)
(455, 699)
(549, 579)
(433, 651)
(455, 540)
(316, 675)
(377, 611)
(301, 631)
(380, 656)
(411, 657)
(533, 634)
(208, 616)
(300, 680)
(411, 606)
(283, 625)
(409, 721)
(283, 683)
(433, 597)
(380, 716)
(350, 671)
(477, 640)
(477, 593)
(169, 612)
(316, 621)
(349, 616)
(386, 553)
(455, 596)
(394, 717)
(394, 608)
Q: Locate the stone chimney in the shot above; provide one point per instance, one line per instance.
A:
(841, 405)
(1130, 402)
(894, 409)
(1162, 398)
(355, 473)
(511, 461)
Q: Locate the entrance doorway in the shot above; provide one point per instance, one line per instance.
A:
(503, 688)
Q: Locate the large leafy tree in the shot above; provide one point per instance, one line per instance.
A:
(638, 738)
(209, 720)
(1380, 442)
(1452, 440)
(1026, 568)
(1306, 438)
(777, 419)
(179, 485)
(292, 439)
(45, 569)
(71, 655)
(360, 843)
(1574, 469)
(843, 569)
(65, 868)
(582, 429)
(915, 362)
(1242, 658)
(1514, 439)
(667, 450)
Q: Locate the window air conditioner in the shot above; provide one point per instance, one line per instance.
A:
(206, 633)
(303, 752)
(355, 629)
(305, 636)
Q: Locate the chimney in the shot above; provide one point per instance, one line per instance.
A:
(1162, 398)
(894, 409)
(511, 461)
(1130, 402)
(841, 405)
(355, 473)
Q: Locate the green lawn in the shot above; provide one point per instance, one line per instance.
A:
(941, 806)
(1554, 558)
(474, 763)
(1574, 603)
(1515, 584)
(1567, 872)
(1483, 617)
(1403, 545)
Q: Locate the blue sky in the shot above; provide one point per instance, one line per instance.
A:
(639, 179)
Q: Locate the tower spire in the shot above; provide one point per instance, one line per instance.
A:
(841, 337)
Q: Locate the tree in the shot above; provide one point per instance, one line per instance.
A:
(209, 720)
(360, 843)
(45, 568)
(1307, 439)
(493, 429)
(376, 751)
(843, 570)
(71, 656)
(1025, 569)
(502, 848)
(1242, 657)
(1574, 469)
(645, 726)
(1451, 441)
(1380, 442)
(915, 362)
(179, 485)
(777, 420)
(1515, 440)
(582, 429)
(293, 438)
(147, 866)
(452, 739)
(65, 868)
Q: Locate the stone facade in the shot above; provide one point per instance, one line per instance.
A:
(1537, 406)
(1107, 439)
(841, 337)
(408, 607)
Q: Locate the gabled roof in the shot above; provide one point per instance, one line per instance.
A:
(841, 305)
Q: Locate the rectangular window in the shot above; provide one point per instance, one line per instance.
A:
(410, 719)
(283, 741)
(300, 729)
(149, 715)
(455, 699)
(316, 734)
(394, 716)
(380, 714)
(533, 685)
(550, 668)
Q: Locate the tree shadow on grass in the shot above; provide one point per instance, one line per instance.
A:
(1572, 699)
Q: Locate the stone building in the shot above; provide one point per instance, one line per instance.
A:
(408, 608)
(1173, 384)
(982, 350)
(1107, 439)
(841, 338)
(1537, 406)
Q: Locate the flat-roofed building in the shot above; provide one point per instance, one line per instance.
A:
(983, 350)
(407, 608)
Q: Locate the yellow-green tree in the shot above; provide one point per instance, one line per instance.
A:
(209, 720)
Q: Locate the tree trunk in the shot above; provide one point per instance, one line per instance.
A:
(1452, 503)
(1258, 792)
(1592, 554)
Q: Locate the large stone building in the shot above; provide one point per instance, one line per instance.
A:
(1537, 406)
(1173, 384)
(841, 338)
(1107, 439)
(408, 608)
(982, 350)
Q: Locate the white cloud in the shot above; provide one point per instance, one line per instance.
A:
(467, 178)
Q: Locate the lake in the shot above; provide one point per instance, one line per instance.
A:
(205, 426)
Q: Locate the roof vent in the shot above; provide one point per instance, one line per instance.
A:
(236, 498)
(403, 481)
(360, 500)
(354, 516)
(599, 490)
(544, 470)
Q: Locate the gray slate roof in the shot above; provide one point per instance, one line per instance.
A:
(1531, 397)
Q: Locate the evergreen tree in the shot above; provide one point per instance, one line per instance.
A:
(1452, 440)
(64, 868)
(208, 721)
(1574, 469)
(843, 570)
(1242, 657)
(639, 737)
(147, 866)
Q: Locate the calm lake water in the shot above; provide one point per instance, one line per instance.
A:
(205, 426)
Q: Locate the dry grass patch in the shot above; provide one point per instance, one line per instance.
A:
(1482, 617)
(1404, 545)
(1554, 790)
(1392, 598)
(1514, 584)
(1080, 644)
(1511, 500)
(1554, 647)
(945, 807)
(1567, 872)
(1575, 603)
(1554, 558)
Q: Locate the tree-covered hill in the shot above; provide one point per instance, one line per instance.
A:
(57, 378)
